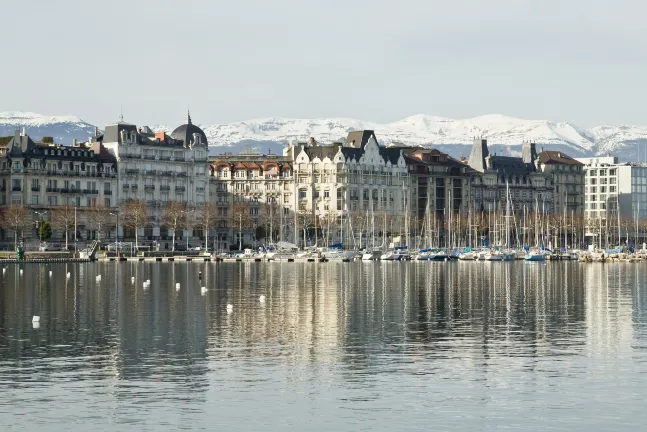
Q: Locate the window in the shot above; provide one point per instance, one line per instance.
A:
(326, 194)
(35, 200)
(106, 202)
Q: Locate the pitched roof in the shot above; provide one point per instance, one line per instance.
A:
(557, 157)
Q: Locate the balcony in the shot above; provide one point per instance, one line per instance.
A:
(134, 187)
(150, 172)
(35, 188)
(132, 171)
(166, 173)
(199, 189)
(16, 188)
(149, 187)
(90, 191)
(51, 189)
(165, 188)
(181, 174)
(180, 189)
(107, 192)
(126, 187)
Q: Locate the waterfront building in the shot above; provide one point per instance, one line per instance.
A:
(615, 190)
(337, 185)
(248, 191)
(44, 176)
(567, 179)
(529, 187)
(156, 168)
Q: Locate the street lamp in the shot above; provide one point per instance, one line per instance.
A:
(186, 212)
(40, 216)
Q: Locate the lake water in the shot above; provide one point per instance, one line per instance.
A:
(335, 346)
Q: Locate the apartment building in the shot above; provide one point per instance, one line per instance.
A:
(45, 176)
(612, 187)
(156, 168)
(249, 191)
(519, 179)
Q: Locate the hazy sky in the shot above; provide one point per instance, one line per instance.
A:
(574, 60)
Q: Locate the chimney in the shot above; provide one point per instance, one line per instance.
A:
(528, 152)
(478, 155)
(96, 131)
(74, 142)
(24, 131)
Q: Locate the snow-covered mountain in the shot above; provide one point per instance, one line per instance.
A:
(62, 128)
(503, 133)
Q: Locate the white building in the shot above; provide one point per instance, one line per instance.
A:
(157, 168)
(612, 187)
(343, 180)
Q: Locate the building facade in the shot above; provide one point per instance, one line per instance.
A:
(45, 176)
(157, 168)
(250, 191)
(341, 184)
(519, 180)
(614, 189)
(567, 175)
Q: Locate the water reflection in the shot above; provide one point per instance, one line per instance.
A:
(358, 343)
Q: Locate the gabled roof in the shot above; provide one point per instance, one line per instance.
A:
(358, 139)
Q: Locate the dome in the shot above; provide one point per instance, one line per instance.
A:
(186, 131)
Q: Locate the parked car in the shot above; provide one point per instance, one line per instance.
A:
(180, 248)
(49, 247)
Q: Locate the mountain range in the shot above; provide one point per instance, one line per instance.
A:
(504, 134)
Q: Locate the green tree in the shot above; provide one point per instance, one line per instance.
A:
(48, 140)
(44, 230)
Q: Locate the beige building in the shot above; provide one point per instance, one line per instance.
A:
(157, 168)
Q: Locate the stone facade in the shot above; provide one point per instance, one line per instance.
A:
(157, 168)
(45, 176)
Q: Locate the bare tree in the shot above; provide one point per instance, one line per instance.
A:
(305, 220)
(99, 218)
(206, 219)
(15, 218)
(136, 217)
(240, 218)
(270, 219)
(63, 219)
(175, 217)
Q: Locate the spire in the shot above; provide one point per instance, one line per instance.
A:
(121, 113)
(188, 112)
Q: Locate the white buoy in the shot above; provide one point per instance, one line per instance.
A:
(230, 308)
(99, 277)
(262, 299)
(20, 272)
(50, 272)
(148, 281)
(203, 290)
(68, 275)
(35, 324)
(35, 318)
(177, 286)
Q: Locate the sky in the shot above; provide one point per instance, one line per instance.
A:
(581, 61)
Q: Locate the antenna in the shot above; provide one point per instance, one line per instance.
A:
(121, 113)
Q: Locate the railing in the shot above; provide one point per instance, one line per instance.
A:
(180, 188)
(107, 192)
(149, 187)
(166, 173)
(150, 172)
(126, 186)
(181, 174)
(16, 188)
(51, 189)
(134, 186)
(35, 188)
(165, 188)
(132, 171)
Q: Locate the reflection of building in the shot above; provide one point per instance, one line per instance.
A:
(611, 187)
(257, 187)
(45, 176)
(157, 168)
